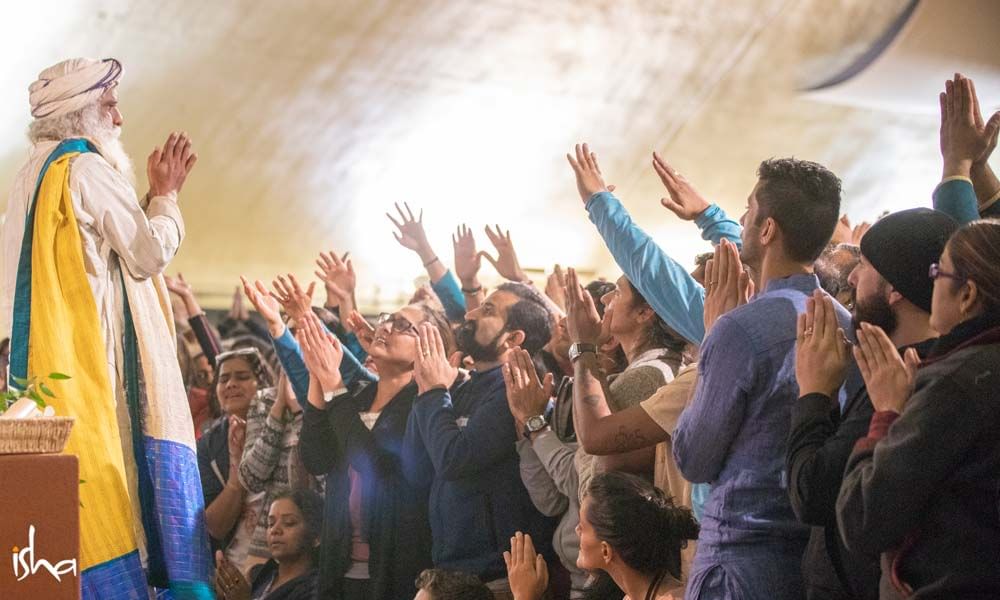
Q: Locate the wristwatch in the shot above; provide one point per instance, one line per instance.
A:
(534, 424)
(581, 348)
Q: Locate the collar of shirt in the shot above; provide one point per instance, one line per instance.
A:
(805, 283)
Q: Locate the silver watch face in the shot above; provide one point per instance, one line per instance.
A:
(535, 423)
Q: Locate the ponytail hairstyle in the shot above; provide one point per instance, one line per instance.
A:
(658, 334)
(640, 522)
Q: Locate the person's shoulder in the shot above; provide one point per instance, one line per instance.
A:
(89, 163)
(209, 439)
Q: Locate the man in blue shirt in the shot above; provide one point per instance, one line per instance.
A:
(734, 432)
(461, 438)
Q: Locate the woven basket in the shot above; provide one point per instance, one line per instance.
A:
(41, 435)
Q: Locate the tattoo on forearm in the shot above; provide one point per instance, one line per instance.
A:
(592, 399)
(625, 441)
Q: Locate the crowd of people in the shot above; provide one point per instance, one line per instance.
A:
(809, 411)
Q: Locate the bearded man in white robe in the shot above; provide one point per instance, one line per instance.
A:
(142, 513)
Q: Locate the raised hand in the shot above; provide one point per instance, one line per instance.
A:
(431, 368)
(821, 348)
(889, 378)
(506, 262)
(168, 168)
(583, 322)
(284, 398)
(842, 233)
(236, 440)
(467, 260)
(965, 138)
(526, 395)
(727, 284)
(526, 569)
(230, 584)
(177, 285)
(555, 288)
(411, 229)
(683, 200)
(337, 275)
(296, 302)
(321, 351)
(265, 304)
(589, 180)
(859, 232)
(238, 310)
(361, 328)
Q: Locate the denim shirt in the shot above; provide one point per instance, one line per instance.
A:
(735, 431)
(662, 281)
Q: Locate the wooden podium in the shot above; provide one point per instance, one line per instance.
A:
(39, 527)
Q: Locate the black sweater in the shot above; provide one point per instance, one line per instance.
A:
(819, 445)
(926, 491)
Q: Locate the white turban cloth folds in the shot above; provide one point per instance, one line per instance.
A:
(71, 85)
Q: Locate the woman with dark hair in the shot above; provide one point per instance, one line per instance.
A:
(925, 491)
(294, 526)
(634, 533)
(240, 379)
(376, 536)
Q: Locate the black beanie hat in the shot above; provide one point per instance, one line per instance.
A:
(901, 246)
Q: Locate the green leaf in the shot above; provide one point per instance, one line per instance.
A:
(58, 376)
(38, 399)
(21, 382)
(45, 390)
(83, 481)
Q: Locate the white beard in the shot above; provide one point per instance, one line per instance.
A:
(107, 137)
(109, 144)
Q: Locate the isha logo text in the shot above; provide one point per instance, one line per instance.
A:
(25, 563)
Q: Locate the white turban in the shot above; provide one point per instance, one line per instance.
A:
(71, 85)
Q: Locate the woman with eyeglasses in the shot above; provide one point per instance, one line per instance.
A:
(240, 378)
(925, 492)
(376, 534)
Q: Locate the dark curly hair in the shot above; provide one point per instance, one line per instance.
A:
(640, 522)
(803, 198)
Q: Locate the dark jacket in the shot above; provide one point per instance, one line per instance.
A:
(926, 490)
(462, 443)
(394, 511)
(302, 587)
(213, 466)
(819, 444)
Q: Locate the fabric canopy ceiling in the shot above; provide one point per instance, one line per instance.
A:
(311, 118)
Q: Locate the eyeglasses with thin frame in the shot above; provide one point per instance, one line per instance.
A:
(398, 324)
(935, 271)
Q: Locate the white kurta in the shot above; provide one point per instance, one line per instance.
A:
(116, 231)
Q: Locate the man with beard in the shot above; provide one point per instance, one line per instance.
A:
(893, 291)
(83, 294)
(461, 438)
(734, 431)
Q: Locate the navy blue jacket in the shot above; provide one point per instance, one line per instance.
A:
(461, 442)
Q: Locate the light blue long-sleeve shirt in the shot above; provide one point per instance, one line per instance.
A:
(450, 294)
(290, 356)
(663, 282)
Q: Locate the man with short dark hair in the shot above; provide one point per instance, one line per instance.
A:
(461, 438)
(734, 432)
